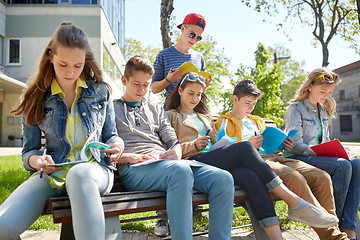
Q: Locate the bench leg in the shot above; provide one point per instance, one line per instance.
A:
(112, 229)
(258, 230)
(67, 231)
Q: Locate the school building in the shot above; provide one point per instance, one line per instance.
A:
(26, 27)
(346, 126)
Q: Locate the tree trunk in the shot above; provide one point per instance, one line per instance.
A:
(325, 52)
(358, 9)
(165, 13)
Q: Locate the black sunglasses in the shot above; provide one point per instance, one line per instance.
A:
(193, 35)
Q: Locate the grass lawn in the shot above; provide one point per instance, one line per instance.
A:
(12, 174)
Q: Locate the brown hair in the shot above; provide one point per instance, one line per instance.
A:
(32, 100)
(311, 79)
(174, 99)
(136, 64)
(247, 88)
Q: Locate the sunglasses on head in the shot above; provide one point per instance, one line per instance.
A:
(193, 35)
(192, 77)
(327, 77)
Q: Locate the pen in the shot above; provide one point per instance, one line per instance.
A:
(172, 70)
(207, 132)
(43, 159)
(255, 133)
(177, 142)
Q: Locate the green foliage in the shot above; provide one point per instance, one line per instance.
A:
(293, 71)
(268, 78)
(12, 174)
(326, 18)
(215, 62)
(134, 47)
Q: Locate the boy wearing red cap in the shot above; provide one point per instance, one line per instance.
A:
(168, 61)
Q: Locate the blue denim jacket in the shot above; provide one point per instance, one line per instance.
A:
(96, 111)
(304, 117)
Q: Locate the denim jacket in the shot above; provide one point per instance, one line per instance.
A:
(96, 111)
(304, 117)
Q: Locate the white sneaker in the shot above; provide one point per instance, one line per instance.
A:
(161, 228)
(313, 216)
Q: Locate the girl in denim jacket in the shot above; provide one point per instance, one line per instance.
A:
(68, 101)
(309, 113)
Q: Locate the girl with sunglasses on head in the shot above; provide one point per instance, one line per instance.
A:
(309, 113)
(196, 132)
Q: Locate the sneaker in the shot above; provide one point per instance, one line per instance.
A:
(161, 228)
(313, 216)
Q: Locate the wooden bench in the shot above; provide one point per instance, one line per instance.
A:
(120, 202)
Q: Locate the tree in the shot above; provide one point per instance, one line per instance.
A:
(293, 71)
(267, 77)
(165, 14)
(327, 18)
(134, 47)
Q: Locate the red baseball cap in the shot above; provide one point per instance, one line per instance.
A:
(194, 19)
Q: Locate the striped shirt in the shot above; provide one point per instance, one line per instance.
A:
(171, 58)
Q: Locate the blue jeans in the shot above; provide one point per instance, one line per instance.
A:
(84, 183)
(178, 179)
(345, 176)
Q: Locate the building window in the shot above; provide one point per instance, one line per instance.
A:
(345, 123)
(14, 51)
(342, 95)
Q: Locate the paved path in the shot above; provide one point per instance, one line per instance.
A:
(238, 234)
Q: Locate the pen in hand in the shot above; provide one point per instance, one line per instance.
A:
(176, 143)
(42, 159)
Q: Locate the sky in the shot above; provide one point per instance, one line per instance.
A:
(237, 29)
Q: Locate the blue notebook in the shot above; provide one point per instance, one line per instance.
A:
(274, 138)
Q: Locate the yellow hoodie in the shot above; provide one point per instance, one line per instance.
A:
(233, 128)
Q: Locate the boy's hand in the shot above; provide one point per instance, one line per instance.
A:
(135, 158)
(173, 75)
(174, 153)
(288, 144)
(201, 142)
(207, 82)
(256, 141)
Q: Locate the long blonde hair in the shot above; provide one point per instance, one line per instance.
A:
(32, 100)
(303, 92)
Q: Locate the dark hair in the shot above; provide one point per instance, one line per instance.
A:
(136, 64)
(174, 99)
(66, 35)
(247, 88)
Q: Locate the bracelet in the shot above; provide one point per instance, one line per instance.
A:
(167, 80)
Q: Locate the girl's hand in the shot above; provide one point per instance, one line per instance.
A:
(288, 144)
(256, 141)
(135, 158)
(37, 162)
(115, 151)
(173, 75)
(201, 142)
